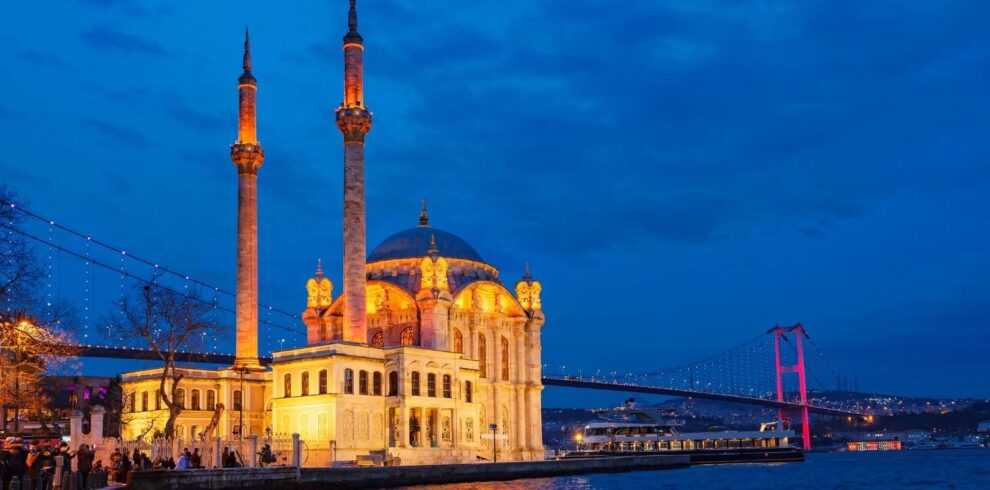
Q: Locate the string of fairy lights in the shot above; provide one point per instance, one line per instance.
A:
(89, 261)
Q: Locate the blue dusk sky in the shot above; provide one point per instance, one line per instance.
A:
(681, 175)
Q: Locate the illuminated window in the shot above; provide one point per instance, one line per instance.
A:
(414, 382)
(407, 337)
(131, 401)
(237, 400)
(482, 356)
(431, 385)
(376, 383)
(446, 386)
(195, 399)
(211, 400)
(144, 401)
(323, 381)
(304, 387)
(158, 400)
(505, 359)
(349, 381)
(378, 340)
(467, 391)
(458, 342)
(180, 398)
(393, 383)
(287, 385)
(362, 382)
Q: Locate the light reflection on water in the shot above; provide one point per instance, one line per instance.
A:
(950, 469)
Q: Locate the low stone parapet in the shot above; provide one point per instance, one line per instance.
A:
(214, 479)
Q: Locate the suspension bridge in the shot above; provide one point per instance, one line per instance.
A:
(770, 370)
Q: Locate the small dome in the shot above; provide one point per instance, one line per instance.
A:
(415, 242)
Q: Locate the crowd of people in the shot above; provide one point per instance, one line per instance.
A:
(38, 461)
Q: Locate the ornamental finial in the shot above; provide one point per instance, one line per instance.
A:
(352, 17)
(526, 274)
(433, 251)
(319, 267)
(424, 218)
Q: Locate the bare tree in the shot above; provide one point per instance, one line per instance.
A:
(167, 322)
(20, 273)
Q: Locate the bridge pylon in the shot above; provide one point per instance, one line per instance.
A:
(798, 332)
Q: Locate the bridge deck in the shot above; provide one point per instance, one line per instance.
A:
(563, 381)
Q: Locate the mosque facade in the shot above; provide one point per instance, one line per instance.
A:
(425, 355)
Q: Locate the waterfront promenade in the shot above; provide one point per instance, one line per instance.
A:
(391, 476)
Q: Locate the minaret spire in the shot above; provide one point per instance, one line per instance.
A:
(247, 156)
(424, 218)
(354, 122)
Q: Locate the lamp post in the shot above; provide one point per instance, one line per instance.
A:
(240, 406)
(494, 427)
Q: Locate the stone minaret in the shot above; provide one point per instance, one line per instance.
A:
(247, 156)
(354, 121)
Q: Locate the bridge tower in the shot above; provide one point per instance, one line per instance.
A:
(797, 332)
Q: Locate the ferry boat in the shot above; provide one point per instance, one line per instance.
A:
(628, 431)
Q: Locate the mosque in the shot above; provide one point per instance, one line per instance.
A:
(423, 355)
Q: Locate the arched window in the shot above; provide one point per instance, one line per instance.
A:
(505, 359)
(431, 384)
(482, 357)
(467, 391)
(407, 337)
(237, 400)
(287, 385)
(144, 401)
(349, 381)
(376, 383)
(446, 386)
(414, 382)
(458, 342)
(132, 401)
(323, 381)
(180, 398)
(195, 400)
(211, 400)
(362, 382)
(378, 340)
(393, 383)
(158, 399)
(304, 387)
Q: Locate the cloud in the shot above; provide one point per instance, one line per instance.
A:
(40, 58)
(108, 38)
(118, 133)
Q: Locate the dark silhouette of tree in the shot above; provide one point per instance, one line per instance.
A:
(167, 322)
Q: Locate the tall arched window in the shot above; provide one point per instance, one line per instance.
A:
(132, 401)
(238, 403)
(195, 400)
(446, 386)
(349, 381)
(323, 382)
(467, 391)
(287, 385)
(414, 383)
(431, 384)
(393, 383)
(482, 357)
(211, 400)
(458, 342)
(376, 383)
(144, 401)
(407, 337)
(304, 387)
(378, 340)
(362, 382)
(158, 399)
(180, 398)
(505, 359)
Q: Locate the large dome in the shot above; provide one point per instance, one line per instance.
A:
(415, 243)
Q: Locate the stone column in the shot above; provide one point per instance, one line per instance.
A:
(76, 436)
(96, 414)
(253, 445)
(434, 320)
